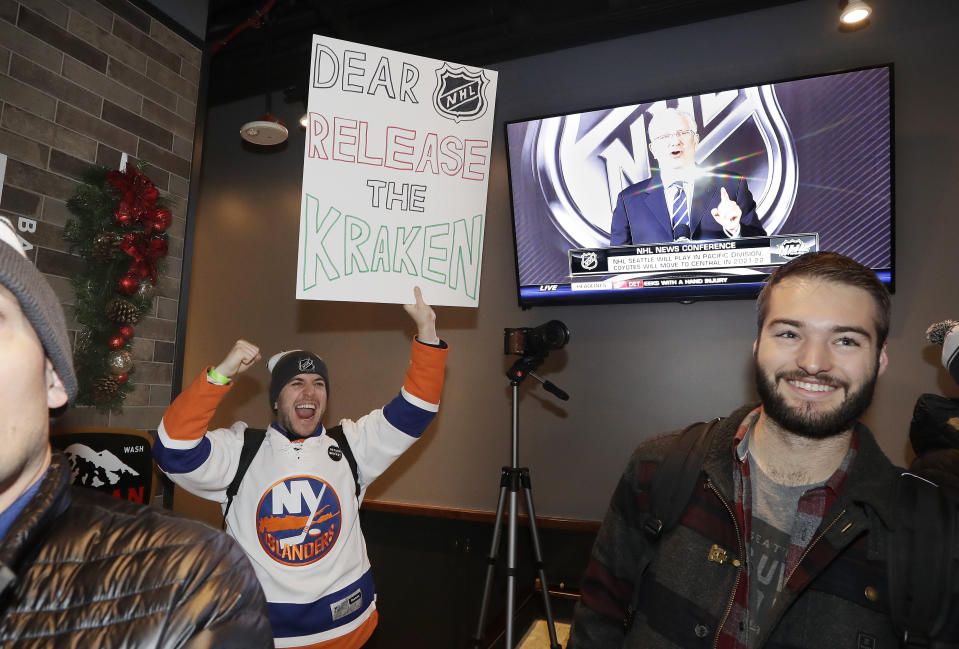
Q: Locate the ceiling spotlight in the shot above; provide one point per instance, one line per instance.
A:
(305, 120)
(854, 12)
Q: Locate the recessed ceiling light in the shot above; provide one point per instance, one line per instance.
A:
(854, 12)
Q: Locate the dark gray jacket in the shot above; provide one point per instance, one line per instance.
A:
(84, 570)
(837, 597)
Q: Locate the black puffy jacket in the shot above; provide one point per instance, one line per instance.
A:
(934, 433)
(80, 569)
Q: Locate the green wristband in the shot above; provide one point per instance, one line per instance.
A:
(216, 376)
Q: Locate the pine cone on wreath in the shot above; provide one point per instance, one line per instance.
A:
(122, 311)
(105, 388)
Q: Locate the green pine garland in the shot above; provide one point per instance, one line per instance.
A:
(93, 208)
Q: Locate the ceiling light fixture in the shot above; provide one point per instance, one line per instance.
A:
(854, 12)
(266, 130)
(305, 120)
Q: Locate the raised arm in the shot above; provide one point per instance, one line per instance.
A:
(203, 461)
(378, 438)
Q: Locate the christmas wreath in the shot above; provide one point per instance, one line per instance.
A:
(118, 227)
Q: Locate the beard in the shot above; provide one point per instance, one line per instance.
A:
(803, 420)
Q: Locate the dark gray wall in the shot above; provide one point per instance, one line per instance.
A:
(189, 14)
(633, 370)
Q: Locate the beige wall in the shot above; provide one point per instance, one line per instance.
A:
(632, 370)
(82, 83)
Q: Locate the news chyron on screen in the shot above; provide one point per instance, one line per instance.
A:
(684, 263)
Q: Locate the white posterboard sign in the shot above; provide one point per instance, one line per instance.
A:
(395, 174)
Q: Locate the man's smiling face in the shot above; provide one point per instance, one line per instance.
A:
(816, 356)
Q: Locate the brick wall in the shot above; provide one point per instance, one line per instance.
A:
(83, 81)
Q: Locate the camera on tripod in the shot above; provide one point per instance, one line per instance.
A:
(531, 344)
(535, 341)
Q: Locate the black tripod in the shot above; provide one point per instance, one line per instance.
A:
(511, 478)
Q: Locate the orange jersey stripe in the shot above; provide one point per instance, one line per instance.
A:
(424, 378)
(353, 640)
(186, 422)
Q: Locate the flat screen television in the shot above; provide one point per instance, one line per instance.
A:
(770, 171)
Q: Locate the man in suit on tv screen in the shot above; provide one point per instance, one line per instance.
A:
(683, 202)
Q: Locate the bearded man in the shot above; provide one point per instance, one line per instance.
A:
(783, 542)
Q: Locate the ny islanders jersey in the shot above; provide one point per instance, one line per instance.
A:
(296, 513)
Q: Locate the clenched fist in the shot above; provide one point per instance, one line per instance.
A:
(241, 358)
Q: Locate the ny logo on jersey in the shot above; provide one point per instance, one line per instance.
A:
(298, 520)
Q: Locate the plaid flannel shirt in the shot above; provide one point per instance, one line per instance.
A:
(812, 508)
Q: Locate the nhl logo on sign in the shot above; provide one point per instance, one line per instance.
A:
(590, 261)
(307, 365)
(460, 94)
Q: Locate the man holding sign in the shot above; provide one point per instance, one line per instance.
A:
(685, 203)
(298, 486)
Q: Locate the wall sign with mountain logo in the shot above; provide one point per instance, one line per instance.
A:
(118, 462)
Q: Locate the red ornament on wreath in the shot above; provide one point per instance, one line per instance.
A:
(126, 331)
(116, 342)
(124, 215)
(140, 211)
(157, 248)
(122, 378)
(162, 219)
(128, 284)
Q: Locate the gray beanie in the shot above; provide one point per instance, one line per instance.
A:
(39, 303)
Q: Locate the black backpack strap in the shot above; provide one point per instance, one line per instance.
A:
(921, 561)
(669, 494)
(336, 433)
(252, 440)
(675, 480)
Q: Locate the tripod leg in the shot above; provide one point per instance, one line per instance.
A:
(538, 558)
(491, 559)
(511, 558)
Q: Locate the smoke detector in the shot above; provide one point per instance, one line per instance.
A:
(265, 131)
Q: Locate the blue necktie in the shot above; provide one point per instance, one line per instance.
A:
(680, 212)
